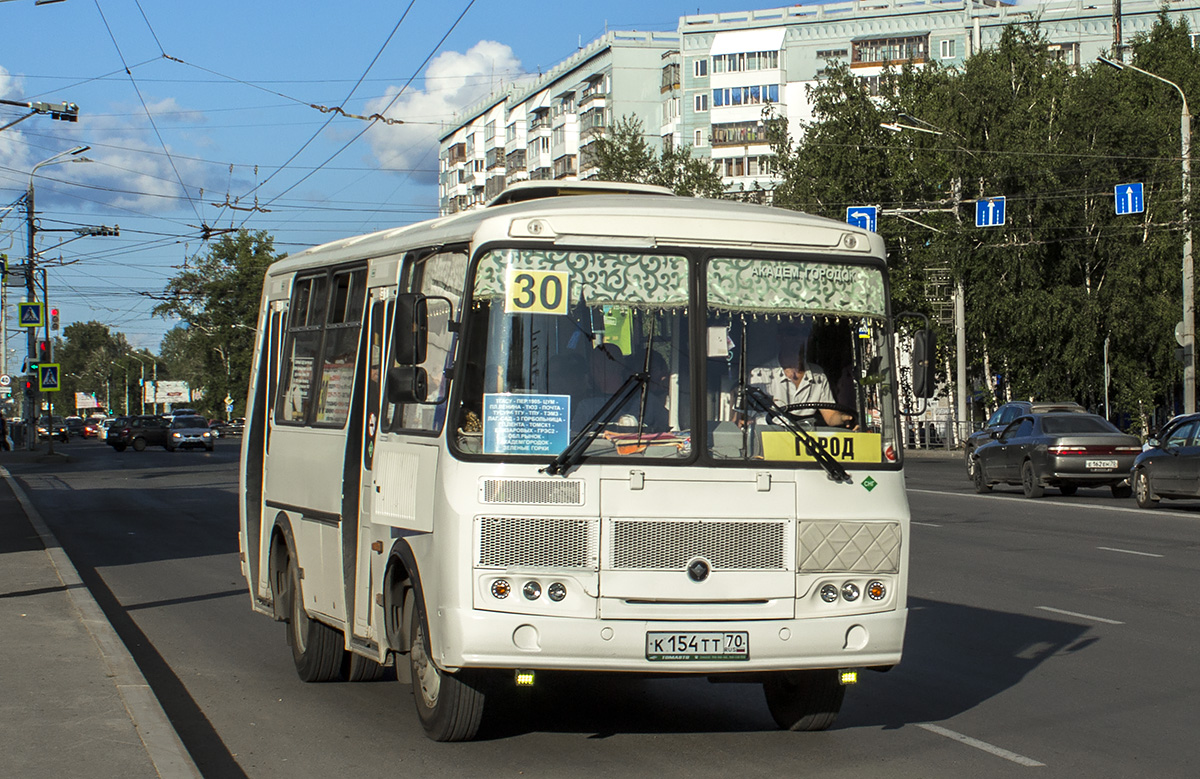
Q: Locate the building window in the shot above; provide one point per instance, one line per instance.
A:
(1067, 53)
(880, 51)
(698, 139)
(489, 132)
(1195, 40)
(755, 95)
(832, 54)
(670, 77)
(739, 133)
(700, 68)
(754, 60)
(701, 103)
(948, 49)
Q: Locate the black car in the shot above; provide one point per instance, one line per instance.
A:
(76, 426)
(1170, 467)
(53, 427)
(1001, 419)
(138, 432)
(1067, 450)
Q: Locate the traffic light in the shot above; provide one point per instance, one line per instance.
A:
(43, 352)
(54, 319)
(28, 384)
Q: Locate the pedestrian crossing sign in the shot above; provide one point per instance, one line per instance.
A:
(31, 314)
(48, 377)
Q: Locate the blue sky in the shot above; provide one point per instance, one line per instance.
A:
(215, 109)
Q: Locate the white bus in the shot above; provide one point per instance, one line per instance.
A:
(557, 434)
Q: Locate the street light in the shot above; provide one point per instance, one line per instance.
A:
(1189, 291)
(33, 405)
(960, 306)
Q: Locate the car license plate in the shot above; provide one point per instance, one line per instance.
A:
(1100, 465)
(708, 645)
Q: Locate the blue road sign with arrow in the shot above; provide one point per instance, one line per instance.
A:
(1128, 198)
(989, 212)
(31, 314)
(48, 377)
(862, 216)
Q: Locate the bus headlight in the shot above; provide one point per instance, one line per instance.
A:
(556, 591)
(829, 593)
(532, 590)
(850, 591)
(501, 588)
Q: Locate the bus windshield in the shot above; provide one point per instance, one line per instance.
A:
(554, 335)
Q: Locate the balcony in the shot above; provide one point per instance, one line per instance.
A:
(515, 161)
(565, 166)
(456, 154)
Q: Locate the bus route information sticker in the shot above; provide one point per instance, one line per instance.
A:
(526, 424)
(535, 291)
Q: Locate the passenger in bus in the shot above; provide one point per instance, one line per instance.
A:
(796, 380)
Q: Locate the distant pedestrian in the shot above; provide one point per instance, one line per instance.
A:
(4, 447)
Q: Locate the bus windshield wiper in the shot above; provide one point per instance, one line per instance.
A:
(583, 439)
(755, 398)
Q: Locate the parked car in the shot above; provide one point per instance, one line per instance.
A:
(1067, 450)
(189, 432)
(1170, 466)
(53, 427)
(138, 432)
(1001, 419)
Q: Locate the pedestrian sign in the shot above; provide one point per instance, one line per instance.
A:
(48, 377)
(989, 212)
(31, 314)
(1128, 198)
(862, 216)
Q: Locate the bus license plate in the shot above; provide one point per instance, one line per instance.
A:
(709, 645)
(1101, 465)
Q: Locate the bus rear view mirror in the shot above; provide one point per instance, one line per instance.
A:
(407, 384)
(410, 332)
(923, 355)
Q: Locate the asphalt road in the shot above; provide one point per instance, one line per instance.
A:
(1046, 637)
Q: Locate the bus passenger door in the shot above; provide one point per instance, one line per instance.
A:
(370, 563)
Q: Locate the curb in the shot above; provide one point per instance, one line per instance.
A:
(163, 745)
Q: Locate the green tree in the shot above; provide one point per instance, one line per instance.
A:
(90, 360)
(622, 154)
(217, 300)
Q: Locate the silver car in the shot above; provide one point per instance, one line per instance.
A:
(189, 432)
(1063, 450)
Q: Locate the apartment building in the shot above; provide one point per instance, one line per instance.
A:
(707, 85)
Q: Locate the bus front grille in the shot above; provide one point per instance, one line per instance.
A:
(540, 542)
(727, 545)
(532, 492)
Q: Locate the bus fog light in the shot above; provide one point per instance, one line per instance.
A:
(848, 677)
(829, 593)
(876, 590)
(501, 588)
(850, 591)
(524, 678)
(532, 590)
(556, 591)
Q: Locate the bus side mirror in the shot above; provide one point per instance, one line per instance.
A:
(410, 331)
(923, 355)
(407, 384)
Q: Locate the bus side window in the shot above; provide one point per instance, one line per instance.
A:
(298, 364)
(441, 275)
(340, 352)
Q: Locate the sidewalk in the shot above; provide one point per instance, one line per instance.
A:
(72, 700)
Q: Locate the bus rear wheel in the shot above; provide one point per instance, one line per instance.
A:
(317, 649)
(804, 700)
(450, 706)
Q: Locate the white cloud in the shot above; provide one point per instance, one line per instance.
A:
(454, 81)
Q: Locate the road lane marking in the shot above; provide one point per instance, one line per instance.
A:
(985, 746)
(1127, 551)
(926, 524)
(1043, 501)
(1082, 616)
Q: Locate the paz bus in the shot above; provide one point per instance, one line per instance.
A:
(541, 437)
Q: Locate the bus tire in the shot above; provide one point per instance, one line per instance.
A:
(362, 669)
(804, 700)
(450, 706)
(317, 649)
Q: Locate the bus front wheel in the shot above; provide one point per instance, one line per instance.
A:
(450, 706)
(804, 700)
(317, 649)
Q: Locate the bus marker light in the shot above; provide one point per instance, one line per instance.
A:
(557, 591)
(501, 588)
(532, 590)
(850, 591)
(876, 590)
(524, 678)
(848, 677)
(829, 593)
